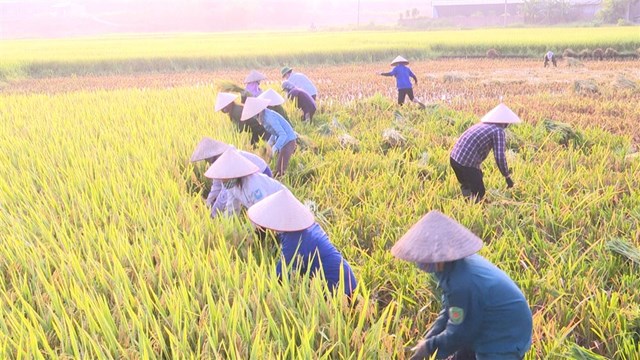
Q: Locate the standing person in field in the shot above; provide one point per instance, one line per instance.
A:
(549, 56)
(474, 145)
(299, 80)
(306, 248)
(210, 150)
(283, 138)
(303, 100)
(242, 180)
(403, 76)
(275, 103)
(252, 83)
(485, 316)
(225, 103)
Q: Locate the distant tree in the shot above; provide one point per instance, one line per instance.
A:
(546, 11)
(612, 10)
(407, 14)
(414, 13)
(401, 16)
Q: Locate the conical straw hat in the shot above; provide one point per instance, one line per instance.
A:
(273, 96)
(223, 99)
(207, 148)
(231, 165)
(501, 114)
(436, 238)
(281, 212)
(399, 59)
(252, 107)
(254, 76)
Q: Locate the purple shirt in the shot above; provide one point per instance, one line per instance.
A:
(305, 101)
(474, 145)
(254, 88)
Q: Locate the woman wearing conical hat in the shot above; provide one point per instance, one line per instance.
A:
(484, 311)
(306, 248)
(275, 102)
(210, 150)
(252, 83)
(302, 100)
(242, 180)
(403, 76)
(473, 147)
(225, 102)
(283, 138)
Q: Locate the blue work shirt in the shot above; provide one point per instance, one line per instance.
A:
(403, 76)
(484, 311)
(280, 130)
(310, 250)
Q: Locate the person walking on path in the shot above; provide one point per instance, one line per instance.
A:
(242, 180)
(299, 80)
(252, 83)
(473, 147)
(403, 76)
(303, 101)
(306, 247)
(283, 138)
(484, 314)
(225, 103)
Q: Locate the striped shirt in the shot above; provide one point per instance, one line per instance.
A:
(474, 145)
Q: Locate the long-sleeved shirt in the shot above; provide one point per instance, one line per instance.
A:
(280, 130)
(484, 311)
(250, 190)
(218, 198)
(403, 76)
(302, 81)
(304, 101)
(280, 110)
(251, 125)
(310, 250)
(254, 88)
(474, 145)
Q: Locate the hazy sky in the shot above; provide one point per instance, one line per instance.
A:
(47, 18)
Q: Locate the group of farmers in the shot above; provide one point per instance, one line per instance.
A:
(484, 315)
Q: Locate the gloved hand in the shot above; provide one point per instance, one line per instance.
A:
(509, 182)
(420, 351)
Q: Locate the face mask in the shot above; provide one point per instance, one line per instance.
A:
(228, 184)
(427, 267)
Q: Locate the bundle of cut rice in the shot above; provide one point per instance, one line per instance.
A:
(493, 54)
(348, 141)
(564, 130)
(392, 138)
(569, 53)
(584, 54)
(452, 77)
(228, 86)
(624, 248)
(598, 54)
(623, 83)
(573, 62)
(611, 53)
(585, 87)
(305, 142)
(580, 353)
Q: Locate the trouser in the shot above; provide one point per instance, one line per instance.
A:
(308, 116)
(283, 157)
(470, 180)
(402, 93)
(553, 60)
(466, 354)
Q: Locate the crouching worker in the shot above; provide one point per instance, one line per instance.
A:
(549, 56)
(473, 147)
(305, 246)
(242, 182)
(302, 99)
(484, 312)
(282, 139)
(209, 150)
(225, 102)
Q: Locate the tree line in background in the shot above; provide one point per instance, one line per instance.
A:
(562, 11)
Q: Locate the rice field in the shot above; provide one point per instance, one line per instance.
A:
(109, 251)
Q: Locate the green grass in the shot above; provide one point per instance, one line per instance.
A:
(180, 52)
(108, 250)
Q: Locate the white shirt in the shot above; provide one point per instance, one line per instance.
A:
(251, 189)
(303, 82)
